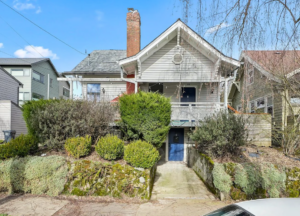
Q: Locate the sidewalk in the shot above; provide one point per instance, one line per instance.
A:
(46, 206)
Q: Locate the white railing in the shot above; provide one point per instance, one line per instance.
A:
(194, 111)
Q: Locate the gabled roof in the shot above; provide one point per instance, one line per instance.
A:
(99, 61)
(276, 62)
(192, 35)
(4, 71)
(26, 62)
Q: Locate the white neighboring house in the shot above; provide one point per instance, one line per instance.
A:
(11, 116)
(179, 63)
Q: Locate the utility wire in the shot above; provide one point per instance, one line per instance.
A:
(21, 37)
(42, 28)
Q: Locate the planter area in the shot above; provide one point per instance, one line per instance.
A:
(245, 180)
(55, 175)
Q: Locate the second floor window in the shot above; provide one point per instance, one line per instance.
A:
(20, 72)
(24, 96)
(250, 73)
(38, 77)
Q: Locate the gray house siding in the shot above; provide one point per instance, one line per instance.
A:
(8, 87)
(63, 85)
(17, 121)
(42, 88)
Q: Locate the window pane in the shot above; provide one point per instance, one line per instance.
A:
(66, 92)
(36, 76)
(156, 87)
(231, 210)
(21, 96)
(261, 103)
(270, 101)
(36, 96)
(17, 72)
(26, 96)
(93, 91)
(42, 78)
(26, 72)
(270, 110)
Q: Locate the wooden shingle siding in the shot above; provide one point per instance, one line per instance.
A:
(8, 88)
(160, 65)
(5, 117)
(17, 121)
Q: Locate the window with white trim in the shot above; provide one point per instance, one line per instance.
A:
(250, 73)
(20, 72)
(24, 96)
(93, 91)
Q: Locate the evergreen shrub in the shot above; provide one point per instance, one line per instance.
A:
(78, 146)
(54, 121)
(110, 147)
(221, 179)
(141, 154)
(145, 116)
(221, 134)
(21, 146)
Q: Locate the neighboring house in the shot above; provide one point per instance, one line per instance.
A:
(179, 63)
(257, 87)
(38, 76)
(10, 113)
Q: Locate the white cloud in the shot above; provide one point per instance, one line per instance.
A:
(216, 28)
(1, 45)
(39, 10)
(18, 5)
(99, 15)
(35, 52)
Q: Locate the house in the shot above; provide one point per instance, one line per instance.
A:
(11, 117)
(179, 63)
(258, 87)
(39, 78)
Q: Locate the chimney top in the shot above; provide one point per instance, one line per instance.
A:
(130, 9)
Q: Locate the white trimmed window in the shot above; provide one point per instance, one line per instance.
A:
(250, 73)
(24, 96)
(20, 72)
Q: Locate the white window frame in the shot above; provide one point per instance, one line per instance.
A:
(24, 96)
(250, 68)
(256, 103)
(20, 69)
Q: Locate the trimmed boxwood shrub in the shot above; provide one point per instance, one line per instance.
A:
(141, 154)
(78, 146)
(110, 147)
(145, 116)
(20, 146)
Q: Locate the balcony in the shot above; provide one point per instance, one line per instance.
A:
(188, 114)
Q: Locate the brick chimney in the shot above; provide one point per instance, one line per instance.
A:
(133, 40)
(133, 32)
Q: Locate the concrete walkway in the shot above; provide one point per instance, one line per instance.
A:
(46, 206)
(174, 180)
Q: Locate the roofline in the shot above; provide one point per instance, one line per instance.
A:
(20, 84)
(49, 60)
(178, 23)
(89, 72)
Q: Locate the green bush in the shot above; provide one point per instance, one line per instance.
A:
(20, 146)
(54, 121)
(110, 147)
(78, 146)
(222, 180)
(221, 134)
(35, 175)
(141, 154)
(145, 116)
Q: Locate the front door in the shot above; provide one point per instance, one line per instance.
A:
(188, 95)
(176, 144)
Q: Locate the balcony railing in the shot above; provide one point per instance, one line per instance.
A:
(194, 111)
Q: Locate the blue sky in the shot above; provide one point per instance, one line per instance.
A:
(85, 25)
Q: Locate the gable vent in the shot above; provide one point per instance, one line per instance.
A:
(177, 58)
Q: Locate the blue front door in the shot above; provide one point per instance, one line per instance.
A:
(176, 144)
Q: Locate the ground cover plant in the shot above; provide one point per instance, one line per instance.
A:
(35, 175)
(145, 116)
(110, 147)
(141, 154)
(53, 121)
(78, 146)
(21, 146)
(220, 135)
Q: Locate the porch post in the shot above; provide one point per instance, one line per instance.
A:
(225, 95)
(71, 89)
